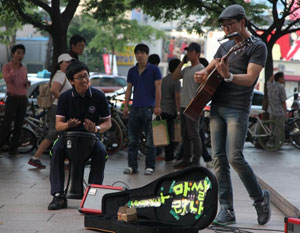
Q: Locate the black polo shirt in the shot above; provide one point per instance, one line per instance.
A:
(92, 106)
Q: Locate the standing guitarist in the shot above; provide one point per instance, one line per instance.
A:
(230, 110)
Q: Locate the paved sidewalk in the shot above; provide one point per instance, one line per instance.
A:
(279, 172)
(25, 192)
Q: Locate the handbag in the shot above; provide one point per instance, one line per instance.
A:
(177, 131)
(160, 133)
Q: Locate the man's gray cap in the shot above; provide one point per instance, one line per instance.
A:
(232, 12)
(194, 46)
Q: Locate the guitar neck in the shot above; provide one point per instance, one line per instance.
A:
(209, 86)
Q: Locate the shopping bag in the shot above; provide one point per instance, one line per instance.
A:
(177, 131)
(160, 133)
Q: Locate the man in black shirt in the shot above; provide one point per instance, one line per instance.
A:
(79, 109)
(229, 112)
(77, 44)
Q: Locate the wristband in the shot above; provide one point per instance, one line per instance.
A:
(229, 80)
(98, 128)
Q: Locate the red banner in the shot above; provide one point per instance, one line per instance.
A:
(106, 63)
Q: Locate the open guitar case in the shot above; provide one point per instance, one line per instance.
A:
(182, 201)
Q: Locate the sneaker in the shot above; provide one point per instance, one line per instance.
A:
(36, 163)
(225, 217)
(148, 171)
(263, 209)
(130, 170)
(58, 202)
(182, 165)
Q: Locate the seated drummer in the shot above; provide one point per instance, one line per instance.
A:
(79, 109)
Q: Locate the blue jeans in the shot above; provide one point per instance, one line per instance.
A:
(140, 119)
(228, 128)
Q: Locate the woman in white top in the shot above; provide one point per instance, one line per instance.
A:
(59, 84)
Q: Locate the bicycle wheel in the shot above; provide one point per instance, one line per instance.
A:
(269, 140)
(295, 140)
(27, 141)
(113, 138)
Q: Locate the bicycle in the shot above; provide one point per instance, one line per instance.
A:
(292, 128)
(115, 138)
(27, 136)
(262, 131)
(34, 129)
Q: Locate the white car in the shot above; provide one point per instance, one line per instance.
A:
(32, 91)
(107, 83)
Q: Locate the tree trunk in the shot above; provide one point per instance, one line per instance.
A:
(59, 46)
(48, 63)
(268, 72)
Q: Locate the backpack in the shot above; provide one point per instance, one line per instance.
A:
(44, 99)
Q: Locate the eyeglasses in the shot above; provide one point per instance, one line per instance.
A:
(228, 25)
(81, 77)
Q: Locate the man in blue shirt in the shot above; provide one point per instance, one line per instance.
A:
(81, 108)
(145, 78)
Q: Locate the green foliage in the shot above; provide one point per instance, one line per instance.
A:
(196, 15)
(110, 36)
(107, 9)
(10, 23)
(113, 30)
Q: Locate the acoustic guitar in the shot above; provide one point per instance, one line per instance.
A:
(209, 86)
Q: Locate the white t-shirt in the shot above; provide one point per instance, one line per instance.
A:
(60, 77)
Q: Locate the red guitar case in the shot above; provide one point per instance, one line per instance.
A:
(181, 201)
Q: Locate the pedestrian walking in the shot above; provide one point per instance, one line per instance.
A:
(59, 84)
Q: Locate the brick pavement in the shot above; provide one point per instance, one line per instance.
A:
(25, 195)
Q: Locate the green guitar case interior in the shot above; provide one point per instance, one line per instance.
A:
(186, 200)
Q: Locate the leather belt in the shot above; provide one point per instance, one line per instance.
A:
(16, 96)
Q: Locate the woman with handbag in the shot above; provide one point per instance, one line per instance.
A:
(59, 84)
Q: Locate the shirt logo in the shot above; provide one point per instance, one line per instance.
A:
(92, 109)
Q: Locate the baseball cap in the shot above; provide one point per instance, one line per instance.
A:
(194, 46)
(232, 12)
(64, 57)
